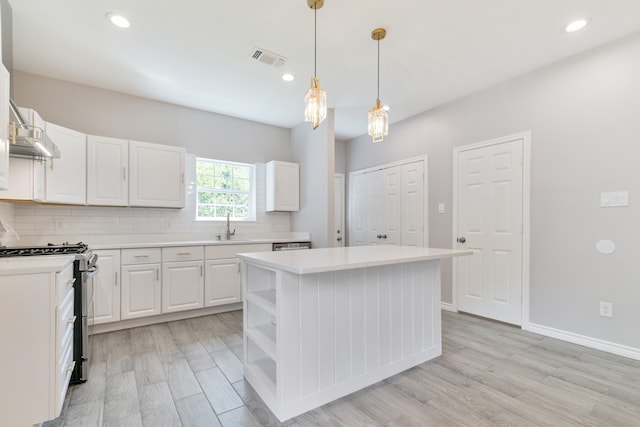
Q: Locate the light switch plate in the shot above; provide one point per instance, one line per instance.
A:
(614, 199)
(441, 208)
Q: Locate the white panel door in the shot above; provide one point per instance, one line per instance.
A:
(4, 128)
(489, 222)
(358, 209)
(413, 217)
(391, 207)
(66, 177)
(107, 171)
(373, 208)
(106, 285)
(338, 215)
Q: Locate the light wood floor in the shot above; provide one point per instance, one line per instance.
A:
(189, 373)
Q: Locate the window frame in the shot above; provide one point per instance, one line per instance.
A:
(251, 216)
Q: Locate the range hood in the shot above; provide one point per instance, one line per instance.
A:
(26, 139)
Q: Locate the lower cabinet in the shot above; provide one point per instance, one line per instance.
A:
(135, 283)
(37, 318)
(222, 282)
(141, 283)
(106, 285)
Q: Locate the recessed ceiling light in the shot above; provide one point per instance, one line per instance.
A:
(577, 25)
(118, 20)
(287, 77)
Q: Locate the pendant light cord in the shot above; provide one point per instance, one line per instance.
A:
(378, 68)
(315, 40)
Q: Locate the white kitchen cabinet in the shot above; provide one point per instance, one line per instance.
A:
(37, 318)
(66, 177)
(107, 171)
(26, 180)
(223, 282)
(156, 175)
(141, 283)
(283, 186)
(106, 295)
(182, 278)
(4, 128)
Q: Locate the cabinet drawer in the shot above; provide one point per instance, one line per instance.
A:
(141, 256)
(182, 253)
(230, 251)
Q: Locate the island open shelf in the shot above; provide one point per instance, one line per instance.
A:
(322, 323)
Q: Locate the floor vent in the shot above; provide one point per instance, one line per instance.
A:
(267, 57)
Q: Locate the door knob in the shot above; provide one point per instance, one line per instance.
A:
(384, 236)
(339, 238)
(379, 236)
(461, 239)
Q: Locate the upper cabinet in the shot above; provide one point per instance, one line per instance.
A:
(4, 128)
(157, 175)
(107, 171)
(283, 186)
(66, 177)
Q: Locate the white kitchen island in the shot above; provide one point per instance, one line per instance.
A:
(322, 323)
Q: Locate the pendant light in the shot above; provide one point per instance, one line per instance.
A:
(315, 100)
(378, 116)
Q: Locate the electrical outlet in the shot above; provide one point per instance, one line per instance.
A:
(606, 309)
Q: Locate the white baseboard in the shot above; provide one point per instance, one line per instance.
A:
(610, 347)
(447, 307)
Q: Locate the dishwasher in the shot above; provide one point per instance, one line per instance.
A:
(290, 246)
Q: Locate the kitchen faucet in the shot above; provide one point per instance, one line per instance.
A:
(229, 232)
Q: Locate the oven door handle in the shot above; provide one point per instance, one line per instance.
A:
(92, 271)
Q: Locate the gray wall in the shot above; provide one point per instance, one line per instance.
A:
(314, 150)
(101, 112)
(584, 115)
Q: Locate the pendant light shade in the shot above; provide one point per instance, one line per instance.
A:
(315, 100)
(378, 122)
(315, 104)
(378, 116)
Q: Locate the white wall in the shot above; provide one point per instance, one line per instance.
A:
(101, 112)
(584, 116)
(7, 214)
(314, 150)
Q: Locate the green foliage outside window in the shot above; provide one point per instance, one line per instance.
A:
(224, 188)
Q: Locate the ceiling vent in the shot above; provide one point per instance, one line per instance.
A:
(267, 57)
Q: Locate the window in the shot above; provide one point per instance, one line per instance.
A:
(225, 188)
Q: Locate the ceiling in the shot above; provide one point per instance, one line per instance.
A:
(195, 53)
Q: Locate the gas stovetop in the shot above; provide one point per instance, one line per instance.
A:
(50, 249)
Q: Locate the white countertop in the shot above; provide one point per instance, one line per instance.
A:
(186, 243)
(333, 259)
(34, 264)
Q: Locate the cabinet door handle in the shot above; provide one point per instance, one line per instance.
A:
(158, 274)
(182, 178)
(201, 271)
(116, 278)
(72, 320)
(184, 253)
(238, 266)
(124, 173)
(51, 164)
(141, 256)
